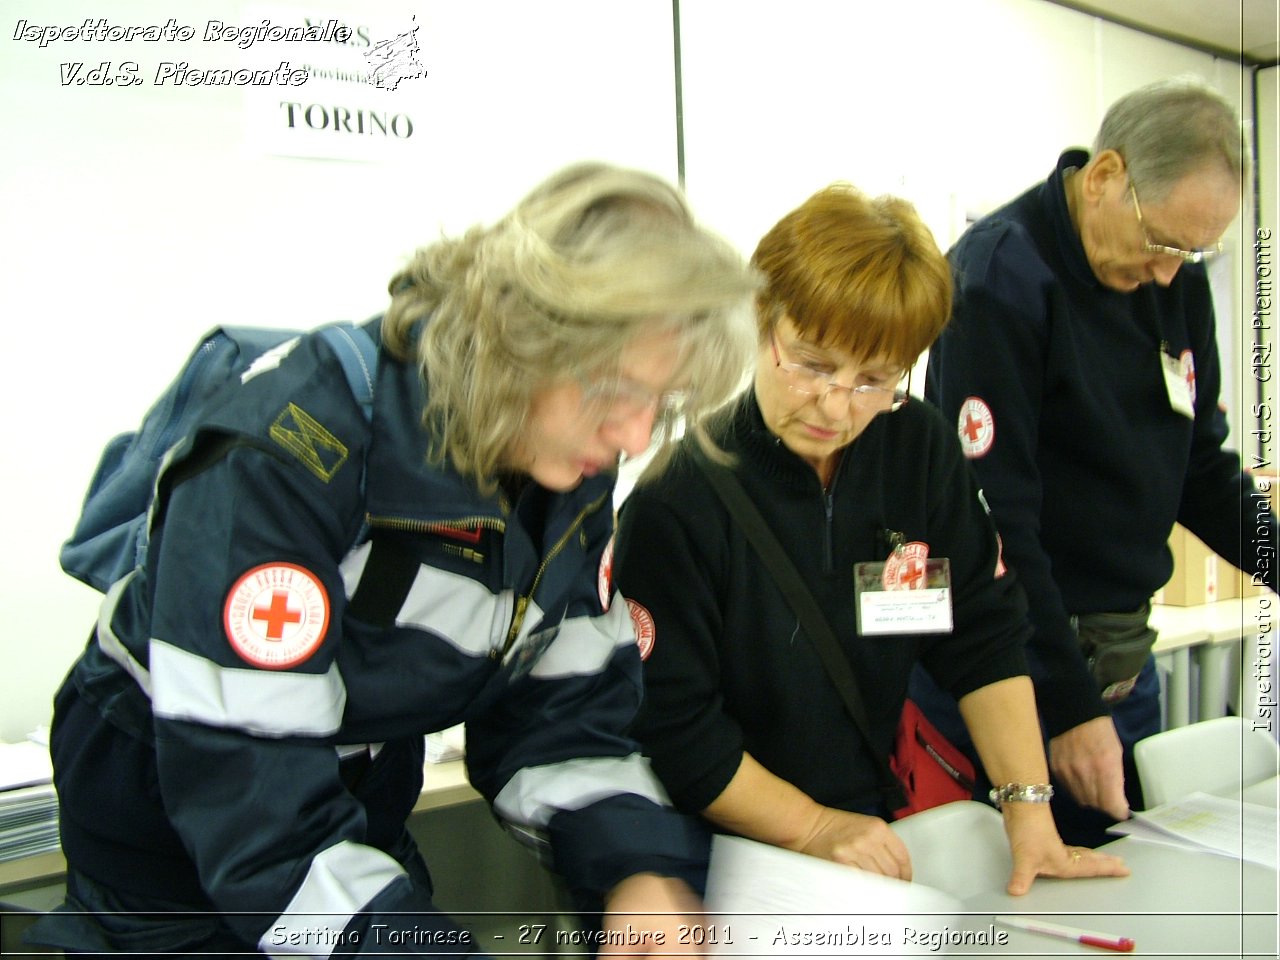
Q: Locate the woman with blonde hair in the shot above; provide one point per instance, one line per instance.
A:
(238, 748)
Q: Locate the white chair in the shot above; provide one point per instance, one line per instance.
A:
(959, 848)
(1219, 756)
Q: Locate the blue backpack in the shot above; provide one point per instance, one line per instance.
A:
(110, 538)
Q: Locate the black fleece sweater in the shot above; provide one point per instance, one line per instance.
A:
(1088, 466)
(730, 669)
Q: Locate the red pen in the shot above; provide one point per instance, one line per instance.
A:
(1089, 938)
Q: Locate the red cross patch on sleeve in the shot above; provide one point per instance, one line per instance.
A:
(977, 427)
(276, 615)
(604, 578)
(642, 623)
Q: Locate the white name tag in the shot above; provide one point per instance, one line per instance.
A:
(905, 611)
(1178, 385)
(923, 609)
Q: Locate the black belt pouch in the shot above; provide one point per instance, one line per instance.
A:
(1116, 645)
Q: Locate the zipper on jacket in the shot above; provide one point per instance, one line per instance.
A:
(466, 553)
(828, 505)
(522, 602)
(405, 525)
(434, 526)
(829, 510)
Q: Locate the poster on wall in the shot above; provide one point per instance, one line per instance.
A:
(353, 87)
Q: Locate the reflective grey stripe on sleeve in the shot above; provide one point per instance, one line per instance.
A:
(347, 751)
(585, 644)
(535, 794)
(108, 640)
(189, 687)
(341, 880)
(456, 608)
(352, 567)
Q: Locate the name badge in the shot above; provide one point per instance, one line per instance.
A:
(903, 595)
(1179, 382)
(527, 652)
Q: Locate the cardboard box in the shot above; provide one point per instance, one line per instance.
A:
(1201, 576)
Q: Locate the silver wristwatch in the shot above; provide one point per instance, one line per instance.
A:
(1021, 793)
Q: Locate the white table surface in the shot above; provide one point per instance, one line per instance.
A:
(1178, 627)
(1176, 903)
(1222, 621)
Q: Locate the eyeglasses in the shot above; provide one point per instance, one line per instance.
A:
(1186, 256)
(811, 381)
(617, 400)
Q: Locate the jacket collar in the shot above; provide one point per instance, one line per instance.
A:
(745, 432)
(1067, 238)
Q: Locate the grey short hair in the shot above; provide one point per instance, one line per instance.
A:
(595, 256)
(1169, 129)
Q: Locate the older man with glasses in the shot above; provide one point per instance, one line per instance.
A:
(1082, 372)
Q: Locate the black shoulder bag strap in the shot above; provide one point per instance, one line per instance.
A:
(807, 611)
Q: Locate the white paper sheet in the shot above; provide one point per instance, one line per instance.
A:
(446, 745)
(766, 901)
(1246, 831)
(22, 764)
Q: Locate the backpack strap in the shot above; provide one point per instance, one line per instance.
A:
(387, 578)
(357, 350)
(358, 354)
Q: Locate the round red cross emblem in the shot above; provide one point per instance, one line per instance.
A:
(977, 427)
(276, 615)
(642, 623)
(907, 568)
(604, 577)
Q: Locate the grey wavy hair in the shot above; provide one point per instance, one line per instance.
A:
(1169, 129)
(595, 256)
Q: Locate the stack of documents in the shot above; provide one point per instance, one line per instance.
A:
(28, 806)
(1236, 828)
(446, 744)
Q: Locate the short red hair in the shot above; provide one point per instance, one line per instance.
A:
(854, 273)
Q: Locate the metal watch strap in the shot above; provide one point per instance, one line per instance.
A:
(1021, 793)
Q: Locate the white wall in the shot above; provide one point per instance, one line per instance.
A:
(137, 218)
(957, 106)
(911, 98)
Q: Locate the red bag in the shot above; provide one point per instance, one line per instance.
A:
(931, 769)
